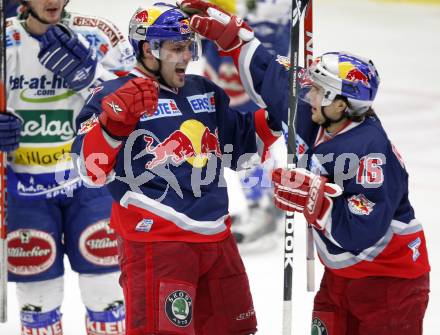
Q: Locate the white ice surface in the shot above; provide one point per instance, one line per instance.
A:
(403, 41)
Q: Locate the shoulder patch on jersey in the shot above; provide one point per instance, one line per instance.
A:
(165, 108)
(13, 38)
(202, 103)
(284, 61)
(360, 205)
(301, 145)
(108, 29)
(88, 125)
(93, 92)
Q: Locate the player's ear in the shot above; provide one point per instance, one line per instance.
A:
(146, 50)
(340, 105)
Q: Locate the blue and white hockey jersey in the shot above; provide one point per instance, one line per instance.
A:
(372, 230)
(38, 168)
(167, 177)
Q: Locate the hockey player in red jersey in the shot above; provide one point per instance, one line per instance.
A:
(352, 186)
(161, 155)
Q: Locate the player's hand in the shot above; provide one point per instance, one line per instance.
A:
(228, 31)
(62, 53)
(299, 190)
(122, 109)
(10, 128)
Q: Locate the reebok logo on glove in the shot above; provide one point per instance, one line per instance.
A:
(313, 194)
(115, 107)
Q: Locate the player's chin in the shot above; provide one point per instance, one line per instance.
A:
(315, 118)
(179, 79)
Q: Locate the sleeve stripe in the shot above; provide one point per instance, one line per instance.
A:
(246, 54)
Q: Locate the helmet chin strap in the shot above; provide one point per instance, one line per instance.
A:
(157, 72)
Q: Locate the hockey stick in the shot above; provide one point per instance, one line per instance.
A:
(3, 230)
(308, 59)
(297, 9)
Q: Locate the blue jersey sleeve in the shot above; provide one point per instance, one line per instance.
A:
(265, 78)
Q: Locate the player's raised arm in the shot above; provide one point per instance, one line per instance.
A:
(112, 118)
(260, 72)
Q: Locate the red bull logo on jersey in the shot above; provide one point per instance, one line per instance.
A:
(193, 143)
(165, 108)
(348, 72)
(88, 125)
(360, 205)
(202, 103)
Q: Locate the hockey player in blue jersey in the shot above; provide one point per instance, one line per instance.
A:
(162, 155)
(366, 232)
(352, 186)
(50, 68)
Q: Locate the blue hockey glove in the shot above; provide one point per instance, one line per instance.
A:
(10, 128)
(62, 53)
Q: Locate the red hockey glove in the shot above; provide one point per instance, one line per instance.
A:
(301, 191)
(122, 109)
(228, 32)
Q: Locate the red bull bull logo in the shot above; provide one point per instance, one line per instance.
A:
(142, 16)
(88, 125)
(349, 72)
(360, 205)
(193, 143)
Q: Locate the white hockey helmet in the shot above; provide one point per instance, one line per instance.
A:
(342, 74)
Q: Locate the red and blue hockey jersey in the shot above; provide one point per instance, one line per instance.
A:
(372, 230)
(167, 177)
